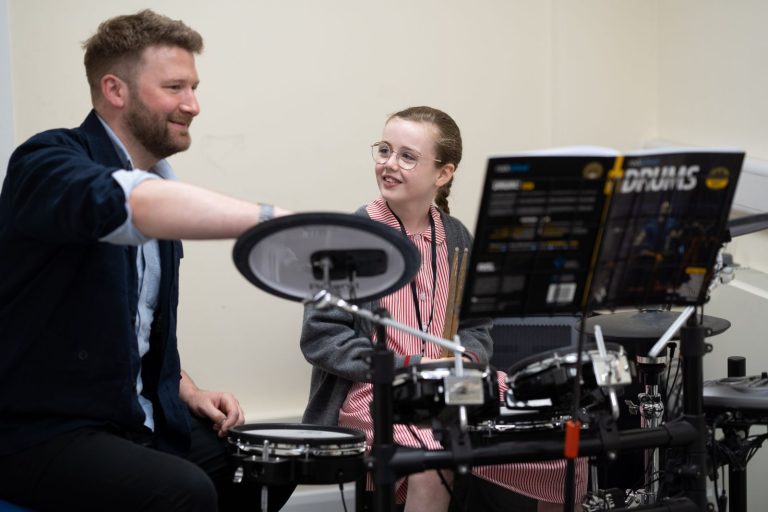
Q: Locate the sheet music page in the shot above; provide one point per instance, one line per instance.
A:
(573, 229)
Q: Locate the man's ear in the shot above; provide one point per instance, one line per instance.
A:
(446, 173)
(114, 90)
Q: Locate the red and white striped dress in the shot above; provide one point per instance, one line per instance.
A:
(538, 480)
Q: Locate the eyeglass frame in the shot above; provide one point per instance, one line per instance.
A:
(418, 156)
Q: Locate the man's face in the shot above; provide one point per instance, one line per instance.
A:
(163, 101)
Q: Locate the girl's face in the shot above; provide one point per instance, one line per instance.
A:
(409, 140)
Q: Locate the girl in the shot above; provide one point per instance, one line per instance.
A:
(416, 159)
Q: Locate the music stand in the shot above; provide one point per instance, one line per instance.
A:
(567, 232)
(536, 232)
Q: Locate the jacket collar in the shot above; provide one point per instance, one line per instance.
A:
(99, 144)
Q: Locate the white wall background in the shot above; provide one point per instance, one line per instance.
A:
(293, 92)
(6, 109)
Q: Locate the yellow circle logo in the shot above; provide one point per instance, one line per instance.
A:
(717, 178)
(592, 171)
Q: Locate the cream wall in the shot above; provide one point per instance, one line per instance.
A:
(6, 110)
(293, 92)
(712, 79)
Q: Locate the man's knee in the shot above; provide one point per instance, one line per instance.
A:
(190, 490)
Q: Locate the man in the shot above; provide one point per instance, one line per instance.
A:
(94, 406)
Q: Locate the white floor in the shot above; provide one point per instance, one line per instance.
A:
(321, 498)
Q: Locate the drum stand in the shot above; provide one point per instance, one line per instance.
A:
(693, 472)
(690, 475)
(389, 461)
(651, 409)
(384, 449)
(382, 364)
(735, 413)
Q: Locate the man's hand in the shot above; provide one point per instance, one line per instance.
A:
(221, 408)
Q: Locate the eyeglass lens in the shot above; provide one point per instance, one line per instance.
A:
(406, 159)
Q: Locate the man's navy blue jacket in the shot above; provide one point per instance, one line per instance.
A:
(68, 351)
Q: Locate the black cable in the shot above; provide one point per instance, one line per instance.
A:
(736, 458)
(755, 442)
(674, 393)
(667, 390)
(341, 489)
(715, 460)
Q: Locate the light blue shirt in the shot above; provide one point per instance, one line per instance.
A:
(147, 256)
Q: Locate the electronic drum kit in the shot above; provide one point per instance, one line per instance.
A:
(330, 260)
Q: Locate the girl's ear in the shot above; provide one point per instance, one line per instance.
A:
(445, 175)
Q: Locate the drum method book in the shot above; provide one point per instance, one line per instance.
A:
(571, 230)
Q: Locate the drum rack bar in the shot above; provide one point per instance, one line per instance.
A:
(412, 460)
(406, 461)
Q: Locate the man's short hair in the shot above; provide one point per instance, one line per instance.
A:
(117, 45)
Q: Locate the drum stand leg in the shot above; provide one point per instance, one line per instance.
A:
(265, 488)
(737, 474)
(650, 417)
(383, 367)
(360, 493)
(651, 410)
(264, 498)
(692, 349)
(693, 472)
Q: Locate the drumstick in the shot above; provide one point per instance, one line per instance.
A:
(448, 326)
(460, 290)
(455, 293)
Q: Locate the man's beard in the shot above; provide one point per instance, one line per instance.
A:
(151, 130)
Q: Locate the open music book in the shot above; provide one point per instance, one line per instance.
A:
(576, 229)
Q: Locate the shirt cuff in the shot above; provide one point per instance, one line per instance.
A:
(126, 233)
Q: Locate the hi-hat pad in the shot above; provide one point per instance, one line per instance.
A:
(296, 256)
(647, 324)
(746, 225)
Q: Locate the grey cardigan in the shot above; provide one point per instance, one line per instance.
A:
(333, 341)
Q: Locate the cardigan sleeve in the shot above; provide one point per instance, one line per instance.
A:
(337, 342)
(331, 341)
(59, 194)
